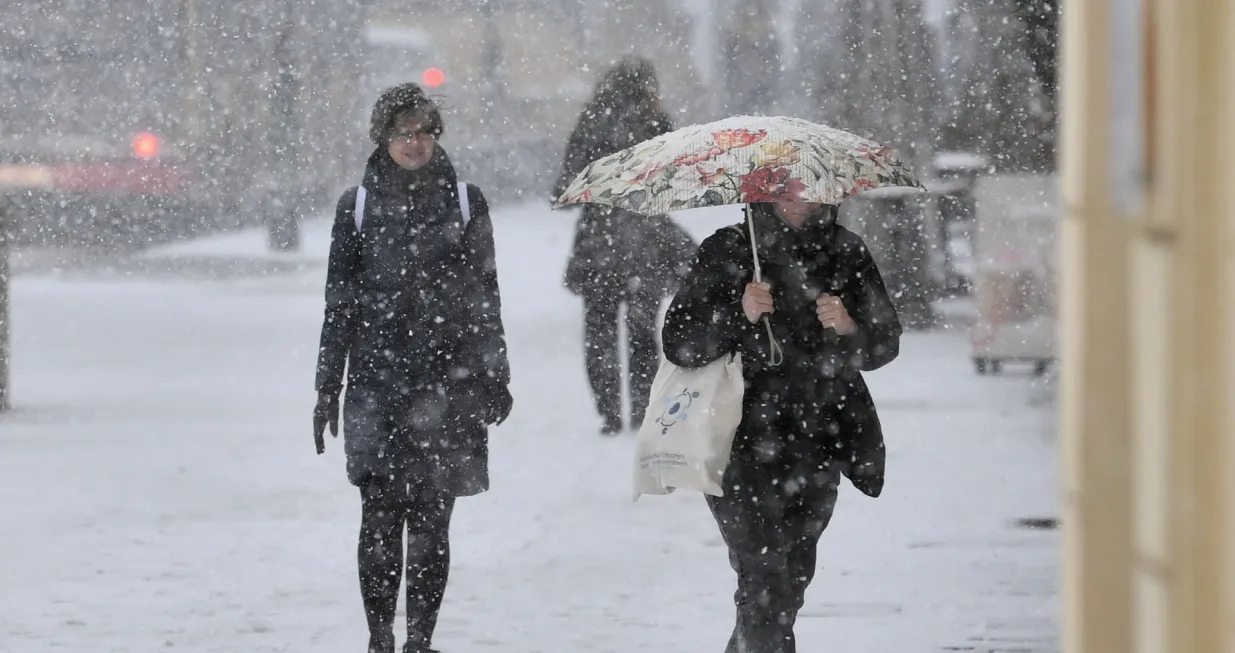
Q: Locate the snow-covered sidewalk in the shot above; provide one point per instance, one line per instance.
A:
(161, 490)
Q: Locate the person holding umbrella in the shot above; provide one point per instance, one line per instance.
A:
(804, 421)
(798, 300)
(413, 313)
(616, 261)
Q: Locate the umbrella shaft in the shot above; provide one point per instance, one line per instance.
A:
(754, 247)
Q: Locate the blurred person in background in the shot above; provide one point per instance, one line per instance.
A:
(805, 421)
(620, 258)
(413, 312)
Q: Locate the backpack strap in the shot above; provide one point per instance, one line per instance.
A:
(358, 210)
(464, 205)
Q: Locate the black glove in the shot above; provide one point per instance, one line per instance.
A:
(499, 402)
(325, 412)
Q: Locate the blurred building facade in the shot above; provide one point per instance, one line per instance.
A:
(752, 59)
(249, 95)
(869, 67)
(1000, 96)
(269, 99)
(518, 72)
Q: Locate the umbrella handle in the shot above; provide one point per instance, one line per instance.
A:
(777, 355)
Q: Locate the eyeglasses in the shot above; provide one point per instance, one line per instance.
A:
(409, 137)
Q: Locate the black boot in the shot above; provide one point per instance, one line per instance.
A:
(380, 558)
(381, 642)
(612, 426)
(603, 366)
(644, 354)
(428, 564)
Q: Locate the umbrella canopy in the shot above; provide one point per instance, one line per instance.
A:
(736, 161)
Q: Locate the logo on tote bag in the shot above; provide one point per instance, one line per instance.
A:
(677, 409)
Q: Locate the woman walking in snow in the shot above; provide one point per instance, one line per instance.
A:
(805, 421)
(619, 258)
(413, 312)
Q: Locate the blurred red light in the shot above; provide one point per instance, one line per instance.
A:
(433, 77)
(146, 145)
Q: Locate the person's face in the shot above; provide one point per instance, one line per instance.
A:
(411, 142)
(796, 213)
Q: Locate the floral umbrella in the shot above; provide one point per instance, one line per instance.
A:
(737, 161)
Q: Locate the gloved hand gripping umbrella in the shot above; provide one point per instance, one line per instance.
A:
(739, 160)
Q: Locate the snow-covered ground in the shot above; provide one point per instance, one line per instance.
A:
(161, 491)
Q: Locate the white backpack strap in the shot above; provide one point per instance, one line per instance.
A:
(464, 205)
(358, 210)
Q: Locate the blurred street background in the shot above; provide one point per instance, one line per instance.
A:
(168, 173)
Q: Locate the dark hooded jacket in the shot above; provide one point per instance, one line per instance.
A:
(413, 312)
(813, 408)
(617, 252)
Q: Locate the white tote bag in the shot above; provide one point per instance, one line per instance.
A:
(687, 433)
(692, 416)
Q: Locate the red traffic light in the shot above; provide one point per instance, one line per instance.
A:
(433, 77)
(146, 145)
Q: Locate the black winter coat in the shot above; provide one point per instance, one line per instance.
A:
(413, 311)
(617, 253)
(814, 408)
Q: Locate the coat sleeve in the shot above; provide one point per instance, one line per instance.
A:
(489, 350)
(705, 320)
(877, 341)
(342, 270)
(674, 252)
(681, 244)
(579, 150)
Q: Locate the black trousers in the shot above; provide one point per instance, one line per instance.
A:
(386, 512)
(771, 518)
(604, 366)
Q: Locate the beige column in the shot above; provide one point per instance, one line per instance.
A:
(1152, 298)
(1228, 143)
(1094, 352)
(1184, 427)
